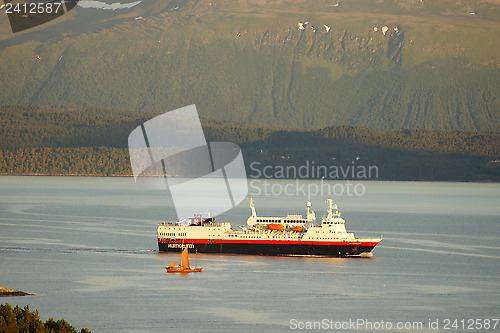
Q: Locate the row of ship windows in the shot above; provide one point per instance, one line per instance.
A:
(172, 234)
(280, 221)
(331, 231)
(326, 238)
(272, 237)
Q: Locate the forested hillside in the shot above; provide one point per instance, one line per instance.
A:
(75, 140)
(386, 65)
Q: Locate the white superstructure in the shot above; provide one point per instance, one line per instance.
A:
(291, 227)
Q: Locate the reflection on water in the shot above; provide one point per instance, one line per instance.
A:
(87, 248)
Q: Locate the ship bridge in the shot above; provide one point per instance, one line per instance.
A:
(332, 219)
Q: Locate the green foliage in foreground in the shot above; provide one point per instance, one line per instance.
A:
(15, 320)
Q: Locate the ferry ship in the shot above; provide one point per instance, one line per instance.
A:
(293, 235)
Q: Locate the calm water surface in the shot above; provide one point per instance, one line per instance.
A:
(87, 248)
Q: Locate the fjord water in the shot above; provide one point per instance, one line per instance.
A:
(87, 248)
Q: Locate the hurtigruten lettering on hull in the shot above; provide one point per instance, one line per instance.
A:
(280, 236)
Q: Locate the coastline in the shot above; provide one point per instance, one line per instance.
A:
(486, 181)
(6, 292)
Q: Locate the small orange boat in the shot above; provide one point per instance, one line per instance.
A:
(184, 265)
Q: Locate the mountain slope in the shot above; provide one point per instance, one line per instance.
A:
(436, 67)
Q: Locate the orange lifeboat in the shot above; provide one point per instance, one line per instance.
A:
(273, 226)
(298, 228)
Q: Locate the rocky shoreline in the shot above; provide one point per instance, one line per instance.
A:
(6, 292)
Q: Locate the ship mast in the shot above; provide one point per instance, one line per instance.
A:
(331, 207)
(252, 207)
